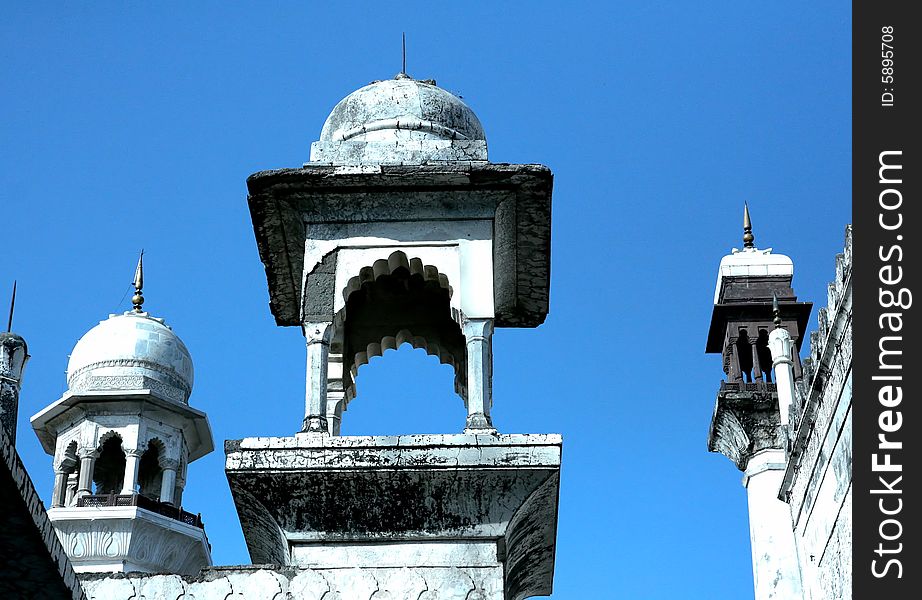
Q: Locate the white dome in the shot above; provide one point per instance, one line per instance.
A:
(401, 109)
(131, 351)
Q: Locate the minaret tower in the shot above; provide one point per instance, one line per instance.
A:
(122, 436)
(14, 353)
(752, 302)
(399, 230)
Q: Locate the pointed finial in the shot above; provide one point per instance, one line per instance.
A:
(9, 323)
(403, 68)
(776, 310)
(138, 299)
(748, 238)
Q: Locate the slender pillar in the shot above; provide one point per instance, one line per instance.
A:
(88, 458)
(756, 367)
(478, 334)
(781, 345)
(58, 496)
(775, 567)
(180, 487)
(336, 395)
(71, 489)
(735, 372)
(317, 336)
(132, 460)
(168, 482)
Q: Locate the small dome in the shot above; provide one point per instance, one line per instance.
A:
(401, 109)
(131, 351)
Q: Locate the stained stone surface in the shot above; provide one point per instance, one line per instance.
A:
(400, 121)
(33, 563)
(818, 480)
(515, 200)
(440, 501)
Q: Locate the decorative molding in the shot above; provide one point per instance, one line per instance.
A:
(257, 583)
(83, 380)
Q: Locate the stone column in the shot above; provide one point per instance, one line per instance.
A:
(180, 487)
(775, 567)
(478, 334)
(58, 496)
(733, 370)
(168, 482)
(88, 458)
(318, 336)
(132, 460)
(336, 395)
(756, 367)
(746, 428)
(71, 489)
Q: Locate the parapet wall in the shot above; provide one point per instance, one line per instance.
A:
(271, 582)
(818, 480)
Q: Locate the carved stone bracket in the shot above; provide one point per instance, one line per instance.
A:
(745, 422)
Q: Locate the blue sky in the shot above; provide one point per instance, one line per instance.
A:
(126, 126)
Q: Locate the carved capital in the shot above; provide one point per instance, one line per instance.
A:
(169, 463)
(133, 452)
(318, 333)
(87, 452)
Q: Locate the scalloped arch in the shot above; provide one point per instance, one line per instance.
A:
(396, 261)
(398, 264)
(392, 342)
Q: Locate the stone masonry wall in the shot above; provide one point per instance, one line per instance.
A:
(819, 473)
(33, 563)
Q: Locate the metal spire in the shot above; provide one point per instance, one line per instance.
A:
(776, 310)
(748, 238)
(138, 299)
(9, 323)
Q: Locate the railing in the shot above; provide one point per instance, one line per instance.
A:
(161, 508)
(756, 386)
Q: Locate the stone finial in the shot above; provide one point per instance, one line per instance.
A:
(776, 311)
(403, 64)
(9, 323)
(138, 299)
(748, 238)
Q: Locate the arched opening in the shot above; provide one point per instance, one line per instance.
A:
(150, 473)
(405, 391)
(395, 302)
(765, 355)
(744, 352)
(109, 472)
(70, 469)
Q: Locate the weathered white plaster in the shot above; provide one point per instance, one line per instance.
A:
(458, 500)
(752, 262)
(775, 565)
(125, 350)
(128, 538)
(262, 583)
(782, 347)
(460, 553)
(400, 121)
